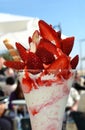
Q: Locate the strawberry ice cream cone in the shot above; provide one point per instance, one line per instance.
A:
(45, 72)
(46, 97)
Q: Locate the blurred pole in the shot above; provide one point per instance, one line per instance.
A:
(58, 27)
(81, 64)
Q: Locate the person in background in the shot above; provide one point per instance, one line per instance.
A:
(77, 83)
(73, 101)
(75, 94)
(1, 62)
(17, 94)
(9, 72)
(72, 105)
(10, 85)
(5, 122)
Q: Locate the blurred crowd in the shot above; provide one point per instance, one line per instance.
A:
(74, 112)
(10, 89)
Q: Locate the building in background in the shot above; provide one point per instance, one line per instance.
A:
(16, 28)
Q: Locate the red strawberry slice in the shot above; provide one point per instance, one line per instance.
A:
(74, 62)
(59, 52)
(64, 73)
(15, 64)
(45, 56)
(47, 45)
(22, 51)
(34, 62)
(28, 83)
(61, 63)
(67, 45)
(29, 40)
(49, 33)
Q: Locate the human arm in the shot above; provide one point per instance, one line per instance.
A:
(76, 98)
(75, 106)
(2, 109)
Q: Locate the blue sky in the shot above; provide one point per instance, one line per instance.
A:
(70, 14)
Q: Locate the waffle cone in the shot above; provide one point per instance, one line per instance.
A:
(13, 52)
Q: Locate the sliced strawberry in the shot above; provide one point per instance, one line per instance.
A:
(35, 36)
(34, 41)
(74, 62)
(64, 73)
(45, 56)
(59, 52)
(47, 45)
(67, 45)
(34, 62)
(22, 51)
(29, 40)
(27, 83)
(15, 64)
(49, 33)
(33, 47)
(60, 64)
